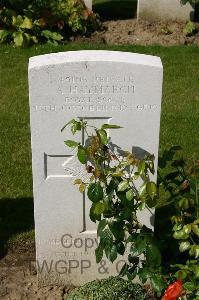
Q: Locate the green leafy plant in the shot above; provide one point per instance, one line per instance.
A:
(17, 28)
(181, 185)
(44, 21)
(112, 288)
(119, 187)
(190, 29)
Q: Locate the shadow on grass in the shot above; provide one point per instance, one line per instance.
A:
(16, 216)
(114, 9)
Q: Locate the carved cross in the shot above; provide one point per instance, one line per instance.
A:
(67, 166)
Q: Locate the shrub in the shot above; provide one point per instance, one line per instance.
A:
(190, 29)
(117, 199)
(181, 185)
(41, 20)
(119, 187)
(113, 288)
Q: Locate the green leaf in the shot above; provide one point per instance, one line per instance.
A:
(109, 126)
(120, 248)
(196, 271)
(189, 286)
(131, 275)
(27, 23)
(153, 256)
(70, 122)
(95, 192)
(18, 39)
(142, 189)
(102, 224)
(189, 29)
(17, 21)
(55, 36)
(82, 187)
(112, 256)
(81, 154)
(27, 38)
(99, 208)
(180, 235)
(151, 189)
(71, 144)
(129, 195)
(123, 185)
(99, 253)
(34, 39)
(77, 181)
(141, 167)
(144, 274)
(117, 230)
(124, 270)
(106, 237)
(194, 251)
(103, 136)
(138, 247)
(142, 206)
(92, 214)
(77, 126)
(158, 283)
(184, 246)
(151, 202)
(4, 35)
(195, 229)
(14, 20)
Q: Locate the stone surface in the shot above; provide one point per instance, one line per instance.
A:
(88, 3)
(101, 87)
(164, 10)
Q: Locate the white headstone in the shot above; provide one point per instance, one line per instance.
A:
(88, 3)
(164, 10)
(101, 87)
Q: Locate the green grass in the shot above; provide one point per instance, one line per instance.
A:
(179, 122)
(115, 9)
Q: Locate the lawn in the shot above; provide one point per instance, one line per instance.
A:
(179, 122)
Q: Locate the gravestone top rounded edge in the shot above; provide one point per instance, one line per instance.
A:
(94, 56)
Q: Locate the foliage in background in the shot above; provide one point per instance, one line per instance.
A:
(181, 186)
(190, 29)
(119, 187)
(41, 20)
(113, 288)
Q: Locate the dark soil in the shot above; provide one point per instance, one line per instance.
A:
(125, 32)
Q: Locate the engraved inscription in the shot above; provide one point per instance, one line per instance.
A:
(96, 94)
(100, 89)
(94, 108)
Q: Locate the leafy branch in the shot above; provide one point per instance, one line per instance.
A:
(119, 187)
